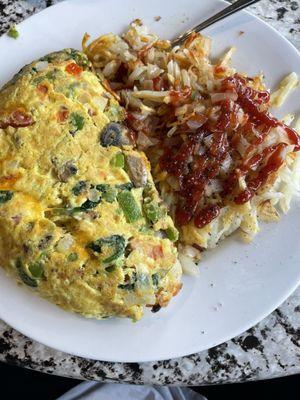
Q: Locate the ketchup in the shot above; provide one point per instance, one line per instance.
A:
(194, 162)
(177, 96)
(206, 215)
(273, 164)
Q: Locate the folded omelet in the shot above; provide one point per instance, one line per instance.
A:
(80, 219)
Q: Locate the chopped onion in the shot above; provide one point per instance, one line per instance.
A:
(194, 124)
(84, 98)
(131, 299)
(100, 102)
(189, 267)
(144, 141)
(13, 164)
(227, 163)
(94, 195)
(41, 65)
(190, 251)
(65, 243)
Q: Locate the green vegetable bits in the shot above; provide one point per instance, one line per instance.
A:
(72, 257)
(129, 206)
(36, 269)
(115, 242)
(152, 212)
(108, 193)
(13, 33)
(172, 234)
(77, 121)
(5, 196)
(79, 188)
(118, 160)
(24, 276)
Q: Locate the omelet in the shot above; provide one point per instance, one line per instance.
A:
(81, 222)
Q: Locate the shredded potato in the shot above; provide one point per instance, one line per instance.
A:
(297, 125)
(286, 86)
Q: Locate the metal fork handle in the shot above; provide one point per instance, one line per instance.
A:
(233, 8)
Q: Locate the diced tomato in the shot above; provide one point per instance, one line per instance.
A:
(73, 69)
(62, 114)
(42, 89)
(156, 252)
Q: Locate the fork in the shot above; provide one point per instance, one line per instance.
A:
(232, 9)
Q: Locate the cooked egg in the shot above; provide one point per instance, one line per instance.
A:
(80, 219)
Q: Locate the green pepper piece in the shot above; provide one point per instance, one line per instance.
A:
(118, 160)
(13, 33)
(22, 274)
(155, 279)
(72, 257)
(86, 206)
(79, 58)
(109, 193)
(125, 186)
(79, 188)
(116, 241)
(70, 90)
(52, 75)
(77, 121)
(145, 229)
(102, 187)
(111, 268)
(129, 206)
(38, 80)
(5, 196)
(152, 211)
(128, 286)
(36, 269)
(172, 234)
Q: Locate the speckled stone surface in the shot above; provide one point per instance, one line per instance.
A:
(270, 349)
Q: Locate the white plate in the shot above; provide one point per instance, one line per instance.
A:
(239, 284)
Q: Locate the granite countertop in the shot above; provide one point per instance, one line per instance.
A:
(270, 349)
